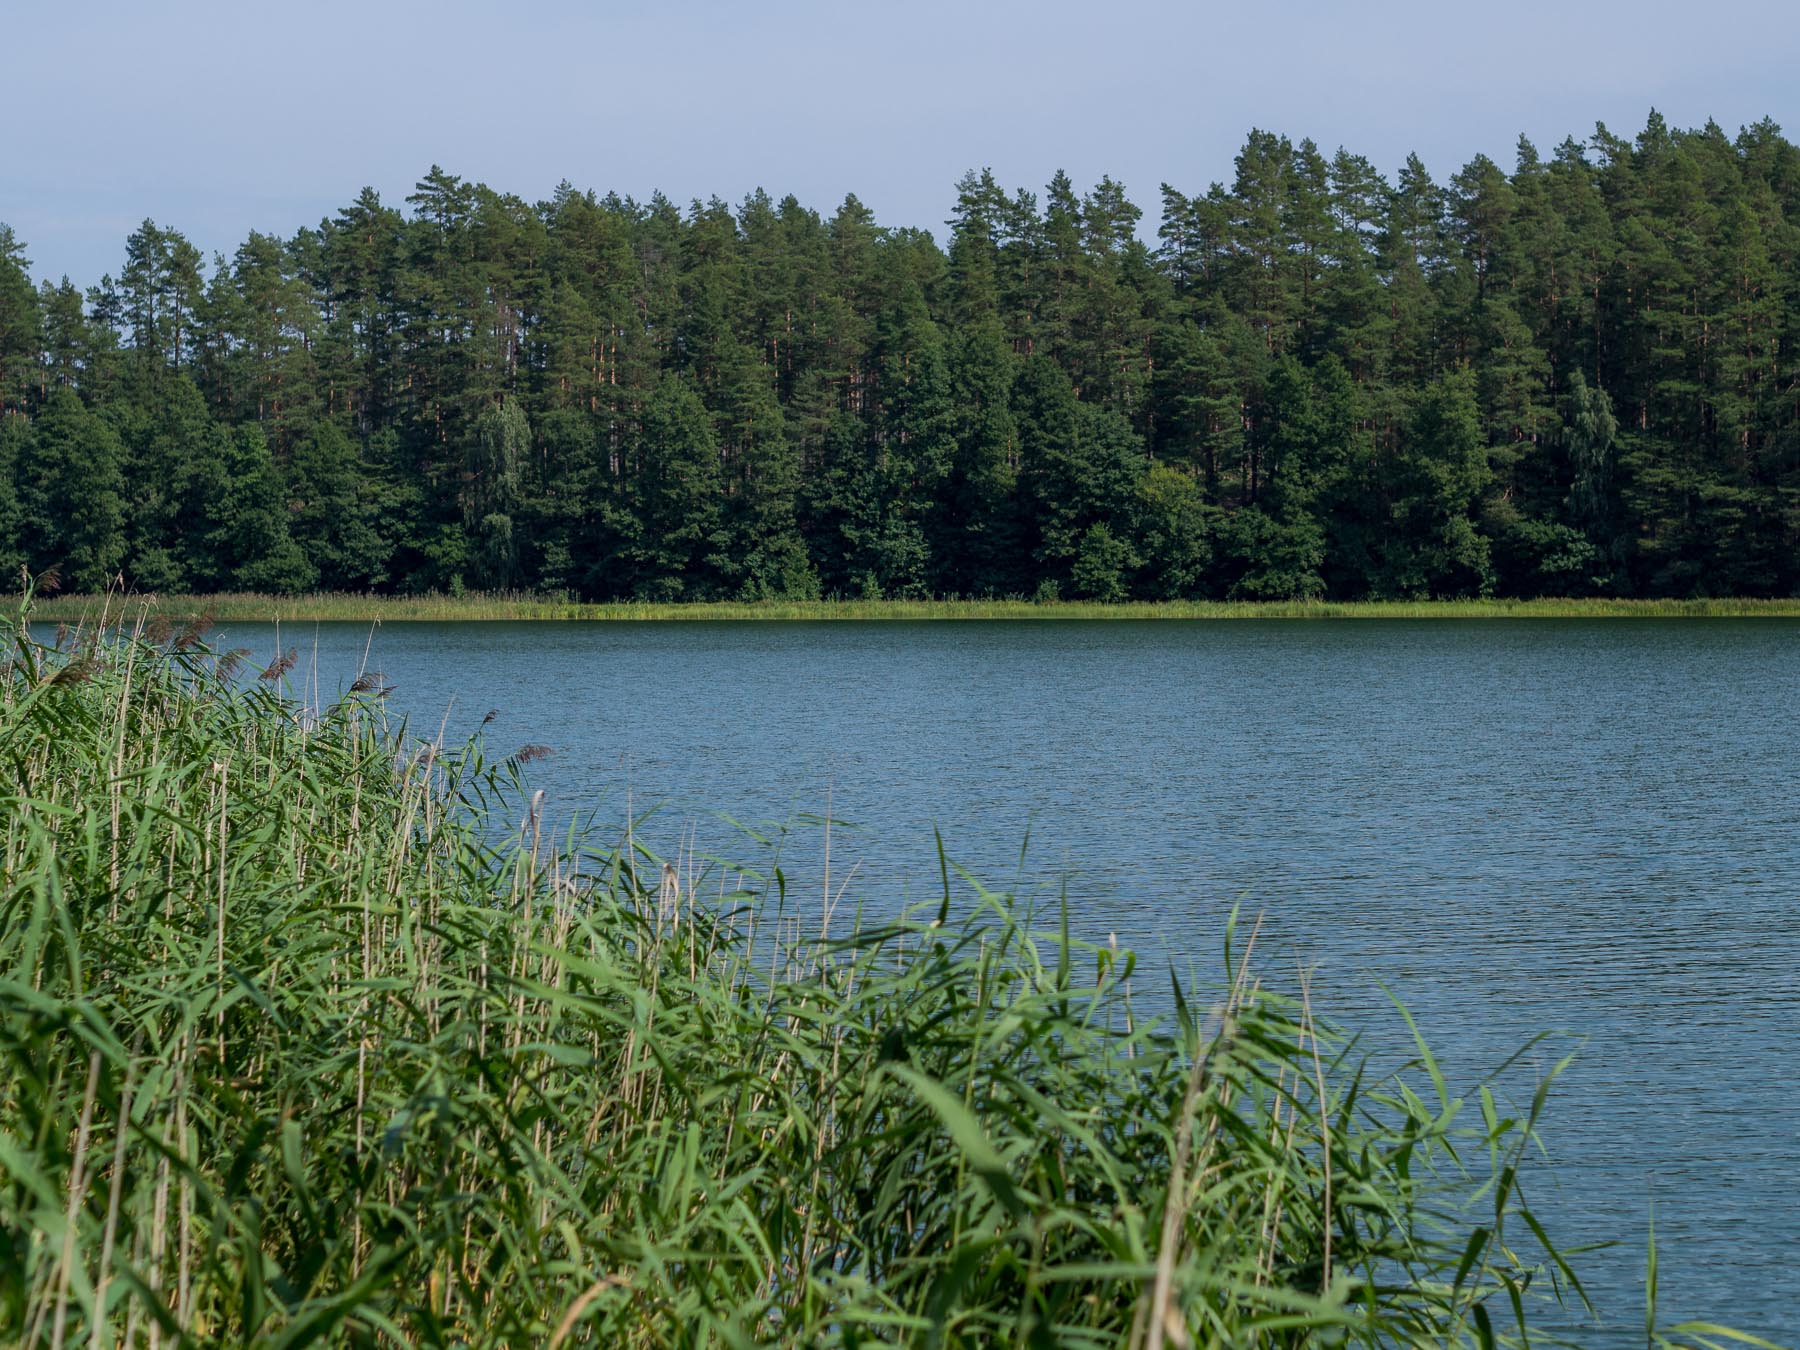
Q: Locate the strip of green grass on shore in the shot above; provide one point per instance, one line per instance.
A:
(306, 1039)
(239, 607)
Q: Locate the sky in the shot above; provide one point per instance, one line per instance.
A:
(217, 119)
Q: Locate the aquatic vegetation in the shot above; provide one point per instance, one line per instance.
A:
(303, 1040)
(323, 607)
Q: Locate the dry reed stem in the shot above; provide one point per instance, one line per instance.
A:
(1163, 1319)
(114, 1194)
(77, 1189)
(1311, 1031)
(642, 1018)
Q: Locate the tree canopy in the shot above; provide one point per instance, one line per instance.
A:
(1581, 376)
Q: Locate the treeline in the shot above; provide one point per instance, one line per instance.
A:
(1575, 378)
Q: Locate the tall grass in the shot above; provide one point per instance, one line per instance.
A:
(245, 608)
(302, 1042)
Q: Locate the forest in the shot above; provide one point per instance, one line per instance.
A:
(1576, 378)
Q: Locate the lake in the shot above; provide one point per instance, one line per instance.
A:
(1517, 826)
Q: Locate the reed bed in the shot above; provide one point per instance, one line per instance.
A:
(313, 1032)
(244, 608)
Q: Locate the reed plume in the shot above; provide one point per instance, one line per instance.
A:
(279, 667)
(301, 1042)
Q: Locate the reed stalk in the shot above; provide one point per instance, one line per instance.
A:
(380, 1071)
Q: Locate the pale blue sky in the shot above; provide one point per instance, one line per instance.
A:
(220, 118)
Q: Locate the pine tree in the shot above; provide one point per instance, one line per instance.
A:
(72, 504)
(973, 527)
(336, 510)
(498, 447)
(679, 554)
(1438, 552)
(18, 449)
(1317, 381)
(240, 538)
(20, 337)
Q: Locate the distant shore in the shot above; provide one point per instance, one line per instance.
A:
(319, 608)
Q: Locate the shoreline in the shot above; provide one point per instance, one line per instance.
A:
(565, 1040)
(350, 608)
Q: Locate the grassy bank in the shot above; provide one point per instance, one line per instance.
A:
(244, 608)
(293, 1051)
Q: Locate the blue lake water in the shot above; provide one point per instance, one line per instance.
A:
(1516, 826)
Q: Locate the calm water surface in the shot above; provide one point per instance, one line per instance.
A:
(1515, 826)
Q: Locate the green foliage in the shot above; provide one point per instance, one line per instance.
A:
(240, 521)
(1273, 557)
(1177, 526)
(443, 606)
(335, 509)
(1381, 390)
(72, 497)
(303, 1042)
(19, 324)
(1103, 564)
(677, 499)
(18, 444)
(1433, 549)
(1591, 436)
(497, 450)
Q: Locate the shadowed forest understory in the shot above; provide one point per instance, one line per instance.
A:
(1574, 379)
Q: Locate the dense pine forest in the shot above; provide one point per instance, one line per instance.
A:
(1576, 378)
